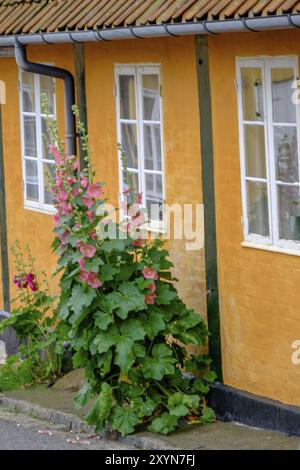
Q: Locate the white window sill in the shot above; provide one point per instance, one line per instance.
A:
(273, 248)
(41, 210)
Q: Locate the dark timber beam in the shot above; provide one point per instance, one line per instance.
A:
(208, 188)
(79, 60)
(3, 228)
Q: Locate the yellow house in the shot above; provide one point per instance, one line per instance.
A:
(203, 95)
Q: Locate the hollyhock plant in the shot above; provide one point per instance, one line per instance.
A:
(88, 250)
(149, 273)
(126, 324)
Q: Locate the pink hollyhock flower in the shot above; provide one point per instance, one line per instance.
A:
(149, 273)
(134, 210)
(66, 209)
(139, 198)
(150, 299)
(75, 165)
(138, 242)
(88, 250)
(91, 278)
(64, 237)
(93, 235)
(56, 219)
(81, 263)
(105, 221)
(126, 191)
(90, 216)
(152, 287)
(124, 206)
(23, 281)
(63, 196)
(59, 182)
(16, 280)
(84, 182)
(30, 277)
(87, 201)
(94, 191)
(139, 220)
(125, 227)
(33, 286)
(75, 192)
(71, 180)
(56, 154)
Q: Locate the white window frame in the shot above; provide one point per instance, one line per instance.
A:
(39, 206)
(265, 63)
(137, 70)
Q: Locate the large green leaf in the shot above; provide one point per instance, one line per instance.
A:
(93, 265)
(165, 294)
(79, 359)
(104, 340)
(81, 297)
(110, 245)
(128, 298)
(107, 272)
(101, 408)
(103, 319)
(124, 354)
(83, 396)
(104, 362)
(160, 364)
(179, 404)
(133, 329)
(184, 323)
(123, 420)
(153, 323)
(208, 415)
(144, 407)
(165, 424)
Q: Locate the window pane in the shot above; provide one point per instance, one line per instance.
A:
(30, 136)
(286, 152)
(49, 174)
(154, 196)
(127, 97)
(129, 144)
(150, 91)
(253, 106)
(255, 151)
(152, 147)
(134, 183)
(46, 155)
(289, 213)
(47, 88)
(284, 109)
(257, 202)
(31, 177)
(28, 92)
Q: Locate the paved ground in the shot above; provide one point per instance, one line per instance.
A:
(212, 436)
(19, 432)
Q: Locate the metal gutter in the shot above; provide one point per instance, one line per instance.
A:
(56, 72)
(172, 29)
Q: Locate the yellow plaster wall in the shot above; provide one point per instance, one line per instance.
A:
(181, 133)
(259, 290)
(34, 228)
(181, 141)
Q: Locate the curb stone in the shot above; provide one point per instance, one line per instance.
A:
(74, 423)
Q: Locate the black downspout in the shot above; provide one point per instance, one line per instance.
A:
(79, 60)
(3, 228)
(55, 72)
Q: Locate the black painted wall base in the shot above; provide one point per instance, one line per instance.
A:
(232, 404)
